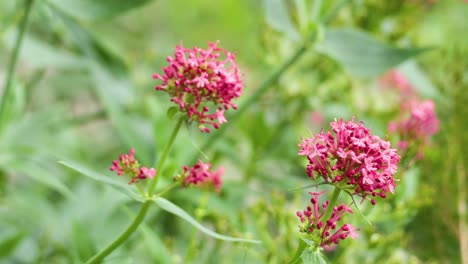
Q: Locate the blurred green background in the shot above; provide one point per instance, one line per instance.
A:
(82, 90)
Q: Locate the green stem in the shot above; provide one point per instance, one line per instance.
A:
(331, 204)
(297, 256)
(332, 13)
(316, 10)
(168, 188)
(164, 155)
(142, 192)
(302, 245)
(143, 209)
(123, 237)
(14, 59)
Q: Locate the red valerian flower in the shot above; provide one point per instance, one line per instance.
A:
(202, 83)
(324, 231)
(416, 124)
(200, 174)
(128, 165)
(352, 159)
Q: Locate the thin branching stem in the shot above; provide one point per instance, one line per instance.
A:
(14, 59)
(144, 208)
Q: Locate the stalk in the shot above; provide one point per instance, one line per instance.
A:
(98, 258)
(14, 59)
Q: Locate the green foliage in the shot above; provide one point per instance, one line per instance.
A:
(91, 10)
(174, 209)
(81, 93)
(9, 243)
(106, 180)
(311, 257)
(360, 54)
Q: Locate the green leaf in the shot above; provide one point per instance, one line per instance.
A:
(277, 17)
(9, 243)
(91, 45)
(172, 111)
(312, 257)
(94, 10)
(419, 80)
(408, 187)
(39, 170)
(362, 55)
(357, 208)
(14, 104)
(50, 56)
(176, 210)
(120, 186)
(82, 241)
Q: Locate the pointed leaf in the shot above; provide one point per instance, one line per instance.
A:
(312, 257)
(357, 208)
(38, 170)
(9, 244)
(419, 79)
(122, 187)
(93, 10)
(50, 56)
(361, 54)
(176, 210)
(172, 111)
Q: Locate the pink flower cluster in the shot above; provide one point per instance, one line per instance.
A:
(352, 159)
(417, 122)
(128, 165)
(312, 222)
(197, 79)
(200, 174)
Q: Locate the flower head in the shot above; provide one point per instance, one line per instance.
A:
(202, 83)
(352, 158)
(128, 165)
(420, 123)
(324, 231)
(415, 125)
(200, 174)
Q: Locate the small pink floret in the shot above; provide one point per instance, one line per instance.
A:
(200, 174)
(128, 165)
(311, 222)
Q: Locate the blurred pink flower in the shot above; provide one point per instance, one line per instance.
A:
(397, 80)
(317, 118)
(324, 230)
(200, 174)
(128, 165)
(352, 158)
(198, 79)
(416, 124)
